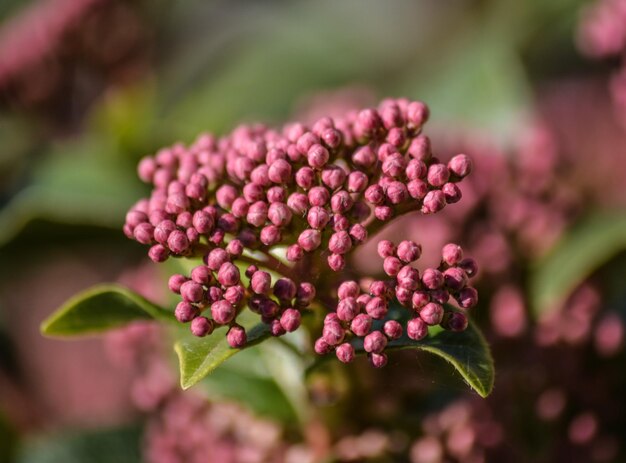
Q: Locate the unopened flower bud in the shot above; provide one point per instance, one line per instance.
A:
(460, 165)
(336, 262)
(393, 329)
(201, 326)
(185, 312)
(416, 329)
(223, 312)
(431, 313)
(375, 342)
(290, 320)
(236, 337)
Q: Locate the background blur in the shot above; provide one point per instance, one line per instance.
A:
(531, 90)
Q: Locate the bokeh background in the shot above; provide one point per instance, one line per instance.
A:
(533, 90)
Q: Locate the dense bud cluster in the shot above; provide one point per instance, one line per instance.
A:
(314, 192)
(424, 295)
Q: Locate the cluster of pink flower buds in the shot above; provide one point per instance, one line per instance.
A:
(424, 295)
(313, 192)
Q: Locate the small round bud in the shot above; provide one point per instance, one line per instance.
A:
(374, 194)
(393, 329)
(216, 258)
(438, 175)
(201, 326)
(236, 337)
(276, 194)
(223, 312)
(417, 114)
(392, 265)
(419, 299)
(252, 192)
(178, 242)
(386, 249)
(375, 342)
(317, 156)
(364, 157)
(336, 262)
(432, 278)
(280, 171)
(251, 270)
(409, 251)
(333, 333)
(340, 242)
(333, 177)
(431, 313)
(144, 233)
(468, 297)
(305, 293)
(279, 214)
(361, 324)
(452, 254)
(261, 282)
(225, 195)
(234, 294)
(294, 253)
(470, 266)
(347, 309)
(345, 352)
(290, 320)
(298, 203)
(408, 278)
(158, 253)
(378, 360)
(185, 312)
(383, 213)
(203, 222)
(416, 169)
(175, 281)
(191, 291)
(309, 240)
(434, 201)
(285, 289)
(403, 295)
(318, 217)
(394, 165)
(397, 192)
(416, 329)
(454, 321)
(201, 275)
(305, 178)
(276, 329)
(214, 294)
(270, 235)
(377, 308)
(417, 189)
(357, 182)
(331, 137)
(322, 347)
(318, 196)
(235, 248)
(452, 193)
(455, 278)
(348, 289)
(358, 233)
(341, 202)
(257, 214)
(460, 165)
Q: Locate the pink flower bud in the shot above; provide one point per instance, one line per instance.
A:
(279, 214)
(285, 289)
(416, 329)
(309, 240)
(419, 299)
(396, 137)
(203, 222)
(451, 192)
(454, 321)
(251, 270)
(184, 219)
(290, 320)
(470, 266)
(420, 148)
(452, 254)
(201, 326)
(434, 201)
(280, 171)
(201, 275)
(318, 217)
(253, 192)
(460, 165)
(393, 329)
(146, 169)
(317, 156)
(455, 278)
(228, 223)
(364, 157)
(347, 309)
(234, 294)
(257, 214)
(392, 266)
(306, 142)
(261, 282)
(431, 313)
(377, 308)
(357, 181)
(340, 243)
(236, 337)
(228, 274)
(468, 297)
(385, 249)
(383, 213)
(403, 295)
(438, 175)
(340, 222)
(361, 324)
(276, 329)
(348, 289)
(214, 294)
(178, 242)
(192, 291)
(333, 333)
(225, 195)
(374, 194)
(333, 176)
(375, 342)
(235, 248)
(336, 262)
(358, 233)
(294, 253)
(158, 253)
(305, 178)
(305, 294)
(409, 251)
(318, 196)
(416, 169)
(223, 312)
(432, 278)
(369, 122)
(298, 203)
(417, 114)
(417, 189)
(394, 166)
(175, 281)
(440, 296)
(260, 175)
(408, 278)
(341, 202)
(397, 192)
(345, 352)
(276, 194)
(216, 258)
(144, 233)
(322, 347)
(378, 360)
(185, 312)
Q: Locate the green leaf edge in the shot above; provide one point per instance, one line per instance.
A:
(256, 335)
(481, 389)
(151, 310)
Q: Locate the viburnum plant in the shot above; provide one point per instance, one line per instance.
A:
(269, 219)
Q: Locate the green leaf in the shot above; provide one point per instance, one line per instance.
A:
(467, 351)
(200, 356)
(119, 445)
(101, 308)
(589, 245)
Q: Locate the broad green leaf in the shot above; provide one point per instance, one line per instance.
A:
(101, 308)
(593, 242)
(200, 356)
(247, 379)
(120, 445)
